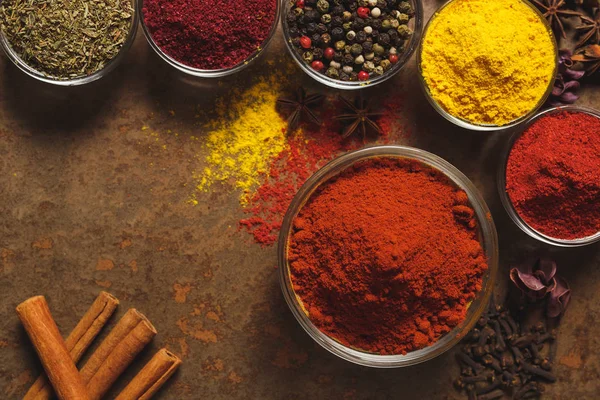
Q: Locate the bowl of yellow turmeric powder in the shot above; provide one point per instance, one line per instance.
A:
(487, 65)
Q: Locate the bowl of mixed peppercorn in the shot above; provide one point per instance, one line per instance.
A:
(348, 44)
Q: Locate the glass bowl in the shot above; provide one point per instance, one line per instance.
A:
(208, 73)
(416, 25)
(467, 124)
(111, 65)
(508, 206)
(488, 238)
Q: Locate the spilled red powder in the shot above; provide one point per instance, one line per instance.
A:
(306, 153)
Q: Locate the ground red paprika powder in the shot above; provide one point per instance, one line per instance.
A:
(553, 175)
(385, 257)
(209, 34)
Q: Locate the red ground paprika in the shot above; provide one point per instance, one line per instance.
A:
(553, 175)
(385, 256)
(209, 34)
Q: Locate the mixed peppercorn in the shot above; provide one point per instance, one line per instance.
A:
(350, 40)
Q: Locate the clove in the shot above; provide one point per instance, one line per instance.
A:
(539, 372)
(495, 394)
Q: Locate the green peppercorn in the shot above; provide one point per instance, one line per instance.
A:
(378, 70)
(356, 49)
(369, 56)
(307, 56)
(347, 49)
(359, 60)
(385, 64)
(332, 73)
(405, 7)
(404, 31)
(347, 26)
(369, 66)
(326, 18)
(298, 11)
(403, 18)
(326, 38)
(378, 49)
(347, 16)
(386, 24)
(363, 3)
(394, 23)
(339, 45)
(323, 6)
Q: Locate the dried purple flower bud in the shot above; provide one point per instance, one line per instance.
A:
(536, 280)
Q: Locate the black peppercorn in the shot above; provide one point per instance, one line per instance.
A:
(312, 15)
(377, 60)
(398, 43)
(316, 39)
(336, 20)
(353, 6)
(301, 20)
(338, 57)
(367, 46)
(291, 17)
(318, 53)
(375, 35)
(294, 32)
(321, 28)
(337, 33)
(382, 4)
(393, 35)
(296, 42)
(376, 24)
(310, 3)
(311, 28)
(354, 76)
(384, 39)
(361, 36)
(358, 24)
(348, 59)
(338, 10)
(344, 76)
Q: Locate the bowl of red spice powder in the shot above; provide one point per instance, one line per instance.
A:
(549, 178)
(209, 39)
(388, 256)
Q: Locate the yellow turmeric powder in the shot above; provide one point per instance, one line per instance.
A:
(243, 137)
(488, 62)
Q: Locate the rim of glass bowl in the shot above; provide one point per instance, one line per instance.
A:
(507, 203)
(338, 84)
(469, 125)
(111, 65)
(489, 240)
(209, 73)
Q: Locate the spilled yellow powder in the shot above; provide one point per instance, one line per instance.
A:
(488, 62)
(244, 135)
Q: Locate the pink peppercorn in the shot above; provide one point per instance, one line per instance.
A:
(363, 12)
(305, 42)
(329, 53)
(393, 58)
(363, 75)
(317, 65)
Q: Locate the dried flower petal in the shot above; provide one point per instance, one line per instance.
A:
(559, 298)
(536, 280)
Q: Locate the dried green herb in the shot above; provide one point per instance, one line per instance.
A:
(66, 39)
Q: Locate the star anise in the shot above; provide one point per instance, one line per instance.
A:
(589, 56)
(553, 11)
(301, 106)
(589, 29)
(358, 117)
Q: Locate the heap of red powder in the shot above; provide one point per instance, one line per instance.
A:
(553, 175)
(209, 34)
(385, 256)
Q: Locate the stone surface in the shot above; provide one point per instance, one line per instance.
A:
(91, 201)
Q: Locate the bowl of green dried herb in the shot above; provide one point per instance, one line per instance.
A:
(64, 42)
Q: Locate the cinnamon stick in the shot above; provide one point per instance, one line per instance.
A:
(78, 341)
(116, 352)
(154, 374)
(45, 336)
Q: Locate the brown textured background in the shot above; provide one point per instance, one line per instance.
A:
(90, 201)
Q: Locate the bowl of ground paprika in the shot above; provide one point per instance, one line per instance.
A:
(388, 256)
(209, 38)
(549, 178)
